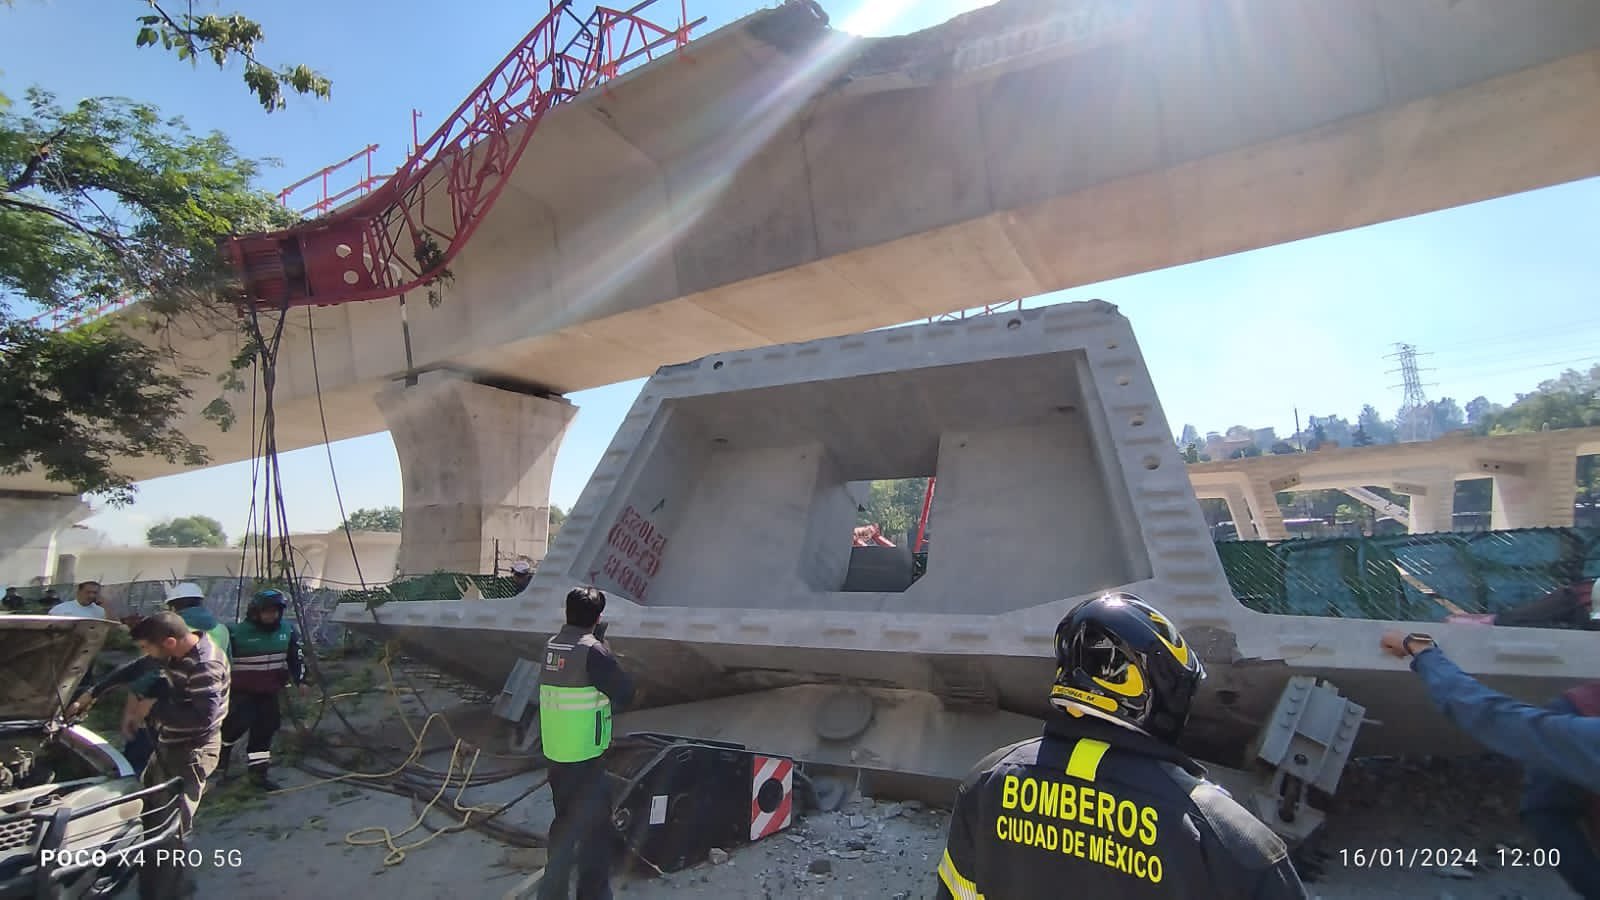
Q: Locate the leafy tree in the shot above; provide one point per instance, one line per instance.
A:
(224, 39)
(72, 401)
(1571, 400)
(1447, 416)
(107, 200)
(1480, 407)
(102, 201)
(558, 518)
(895, 506)
(385, 518)
(1282, 448)
(187, 531)
(1381, 430)
(1319, 436)
(1361, 438)
(1191, 452)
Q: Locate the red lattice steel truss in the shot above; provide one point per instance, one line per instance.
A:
(389, 241)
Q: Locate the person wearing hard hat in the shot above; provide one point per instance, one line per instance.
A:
(188, 601)
(521, 575)
(266, 659)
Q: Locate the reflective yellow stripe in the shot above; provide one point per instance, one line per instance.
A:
(960, 888)
(1085, 761)
(575, 705)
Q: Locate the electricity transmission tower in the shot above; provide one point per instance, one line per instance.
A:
(1416, 416)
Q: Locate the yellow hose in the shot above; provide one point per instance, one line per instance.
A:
(385, 838)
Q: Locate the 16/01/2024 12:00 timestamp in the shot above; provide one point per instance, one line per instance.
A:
(1439, 857)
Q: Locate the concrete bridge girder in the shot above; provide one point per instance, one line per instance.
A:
(1534, 474)
(28, 525)
(848, 185)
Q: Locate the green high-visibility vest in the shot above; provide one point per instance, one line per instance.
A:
(574, 716)
(222, 638)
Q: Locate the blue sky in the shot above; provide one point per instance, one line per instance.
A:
(1501, 293)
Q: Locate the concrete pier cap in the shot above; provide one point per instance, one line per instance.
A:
(719, 523)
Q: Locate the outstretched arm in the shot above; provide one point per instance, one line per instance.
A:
(127, 673)
(1567, 746)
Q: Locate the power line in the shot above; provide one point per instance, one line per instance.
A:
(1416, 416)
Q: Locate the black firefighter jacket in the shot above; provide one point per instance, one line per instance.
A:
(1092, 809)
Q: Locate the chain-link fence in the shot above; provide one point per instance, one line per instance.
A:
(1424, 577)
(438, 586)
(226, 597)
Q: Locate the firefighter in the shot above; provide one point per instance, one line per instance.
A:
(579, 684)
(266, 658)
(1104, 801)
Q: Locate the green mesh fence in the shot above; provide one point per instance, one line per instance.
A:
(1423, 577)
(438, 586)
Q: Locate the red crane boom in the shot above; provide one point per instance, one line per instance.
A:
(386, 243)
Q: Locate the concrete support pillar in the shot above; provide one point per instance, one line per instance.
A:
(28, 524)
(1239, 511)
(476, 463)
(1433, 502)
(1263, 502)
(1539, 494)
(66, 569)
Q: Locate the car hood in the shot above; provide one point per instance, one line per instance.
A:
(42, 659)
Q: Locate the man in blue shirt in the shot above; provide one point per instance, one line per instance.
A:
(1559, 746)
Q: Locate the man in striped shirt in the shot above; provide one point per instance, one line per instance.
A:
(189, 703)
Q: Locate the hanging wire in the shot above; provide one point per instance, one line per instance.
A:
(333, 471)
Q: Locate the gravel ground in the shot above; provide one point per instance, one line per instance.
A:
(299, 843)
(293, 845)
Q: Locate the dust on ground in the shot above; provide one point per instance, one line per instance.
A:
(303, 842)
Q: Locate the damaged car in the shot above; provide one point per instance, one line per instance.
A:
(74, 819)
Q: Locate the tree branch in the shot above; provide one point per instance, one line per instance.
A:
(111, 241)
(31, 170)
(187, 34)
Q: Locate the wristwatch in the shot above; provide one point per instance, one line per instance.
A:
(1416, 642)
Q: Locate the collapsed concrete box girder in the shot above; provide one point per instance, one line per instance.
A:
(719, 523)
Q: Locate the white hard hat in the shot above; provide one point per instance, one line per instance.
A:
(188, 590)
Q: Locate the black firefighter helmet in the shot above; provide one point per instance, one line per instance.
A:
(1117, 656)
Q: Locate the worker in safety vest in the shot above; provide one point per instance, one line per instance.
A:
(1104, 804)
(266, 658)
(188, 601)
(1559, 745)
(580, 685)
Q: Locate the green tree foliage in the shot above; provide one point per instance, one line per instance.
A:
(894, 506)
(100, 201)
(71, 401)
(224, 39)
(1571, 400)
(558, 518)
(385, 518)
(187, 531)
(107, 200)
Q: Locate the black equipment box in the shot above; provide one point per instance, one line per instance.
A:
(676, 798)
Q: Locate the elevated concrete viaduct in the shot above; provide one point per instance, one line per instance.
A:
(1535, 479)
(777, 182)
